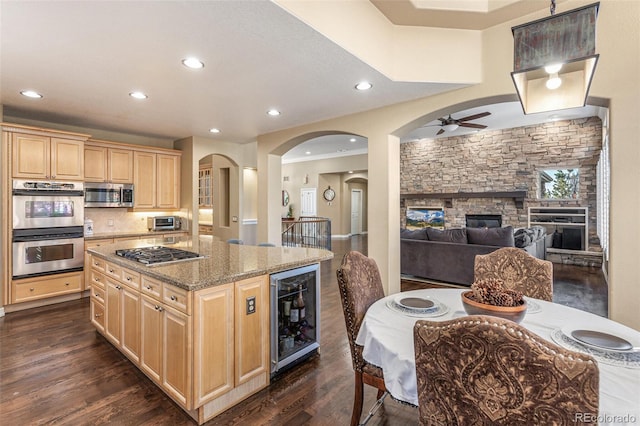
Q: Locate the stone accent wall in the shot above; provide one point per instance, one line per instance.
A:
(503, 160)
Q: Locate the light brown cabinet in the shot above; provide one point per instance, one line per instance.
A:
(156, 180)
(165, 335)
(44, 157)
(205, 349)
(28, 289)
(122, 309)
(103, 164)
(231, 344)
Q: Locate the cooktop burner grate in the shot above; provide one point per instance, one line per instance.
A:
(157, 255)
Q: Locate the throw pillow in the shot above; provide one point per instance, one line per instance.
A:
(523, 237)
(413, 234)
(501, 237)
(448, 235)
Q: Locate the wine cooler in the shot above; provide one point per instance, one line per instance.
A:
(295, 316)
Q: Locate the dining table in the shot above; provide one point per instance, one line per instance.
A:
(386, 335)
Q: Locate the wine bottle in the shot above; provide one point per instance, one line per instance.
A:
(294, 314)
(287, 311)
(300, 303)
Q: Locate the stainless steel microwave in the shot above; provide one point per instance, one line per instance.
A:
(108, 195)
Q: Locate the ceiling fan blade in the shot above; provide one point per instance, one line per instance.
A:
(475, 116)
(441, 131)
(473, 125)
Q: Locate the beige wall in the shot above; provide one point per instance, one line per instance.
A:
(616, 82)
(196, 148)
(320, 174)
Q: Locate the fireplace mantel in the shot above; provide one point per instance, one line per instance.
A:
(517, 196)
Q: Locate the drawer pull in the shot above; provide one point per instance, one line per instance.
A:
(96, 279)
(158, 308)
(96, 294)
(118, 287)
(96, 263)
(128, 278)
(111, 271)
(31, 289)
(149, 288)
(67, 284)
(174, 298)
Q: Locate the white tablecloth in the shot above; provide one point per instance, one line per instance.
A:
(387, 337)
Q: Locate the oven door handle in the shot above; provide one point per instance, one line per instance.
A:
(29, 238)
(45, 192)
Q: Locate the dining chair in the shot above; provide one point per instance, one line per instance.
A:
(518, 270)
(487, 370)
(360, 286)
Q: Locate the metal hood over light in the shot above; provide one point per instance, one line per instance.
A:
(565, 45)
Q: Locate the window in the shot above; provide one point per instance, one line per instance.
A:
(559, 184)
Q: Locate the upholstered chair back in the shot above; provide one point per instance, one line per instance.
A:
(518, 270)
(360, 286)
(482, 370)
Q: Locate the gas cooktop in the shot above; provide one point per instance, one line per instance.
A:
(157, 255)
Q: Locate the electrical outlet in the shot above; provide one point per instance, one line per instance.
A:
(251, 305)
(234, 219)
(110, 222)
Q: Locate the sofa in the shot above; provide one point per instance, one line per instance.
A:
(449, 255)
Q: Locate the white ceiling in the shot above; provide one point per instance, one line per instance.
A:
(85, 57)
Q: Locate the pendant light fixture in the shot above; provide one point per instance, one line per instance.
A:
(554, 59)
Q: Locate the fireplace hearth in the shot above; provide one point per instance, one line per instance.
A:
(483, 220)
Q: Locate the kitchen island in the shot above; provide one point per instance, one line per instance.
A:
(199, 328)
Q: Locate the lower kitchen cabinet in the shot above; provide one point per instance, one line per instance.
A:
(206, 349)
(27, 289)
(122, 312)
(165, 336)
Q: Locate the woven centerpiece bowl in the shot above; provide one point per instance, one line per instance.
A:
(472, 307)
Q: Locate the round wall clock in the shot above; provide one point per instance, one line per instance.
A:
(329, 194)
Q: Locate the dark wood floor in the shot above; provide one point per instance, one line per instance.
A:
(55, 369)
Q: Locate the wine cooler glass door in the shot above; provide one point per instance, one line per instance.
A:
(295, 321)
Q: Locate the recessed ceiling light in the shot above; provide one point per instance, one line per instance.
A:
(364, 85)
(193, 63)
(214, 130)
(138, 95)
(350, 171)
(31, 94)
(352, 140)
(308, 152)
(273, 112)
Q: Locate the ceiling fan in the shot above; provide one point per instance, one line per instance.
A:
(450, 124)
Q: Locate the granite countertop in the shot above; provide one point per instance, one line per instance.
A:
(126, 234)
(223, 263)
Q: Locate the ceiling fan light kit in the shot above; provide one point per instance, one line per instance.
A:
(554, 59)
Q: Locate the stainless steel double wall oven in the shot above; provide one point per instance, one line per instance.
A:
(48, 227)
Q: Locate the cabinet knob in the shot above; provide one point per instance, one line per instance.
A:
(31, 289)
(111, 271)
(96, 263)
(118, 287)
(67, 284)
(98, 315)
(96, 294)
(128, 278)
(159, 308)
(174, 298)
(148, 287)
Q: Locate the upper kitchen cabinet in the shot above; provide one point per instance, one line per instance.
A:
(39, 155)
(104, 163)
(157, 180)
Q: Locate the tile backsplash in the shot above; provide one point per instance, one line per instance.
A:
(122, 220)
